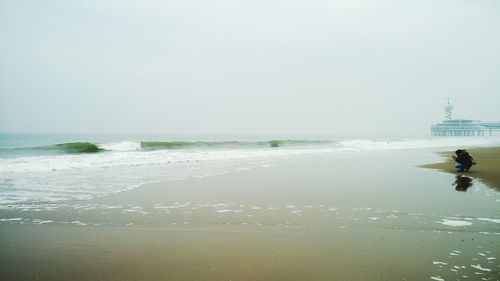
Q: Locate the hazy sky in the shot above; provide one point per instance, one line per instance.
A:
(246, 67)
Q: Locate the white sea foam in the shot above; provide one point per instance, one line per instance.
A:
(489, 220)
(53, 178)
(137, 158)
(121, 146)
(455, 222)
(129, 154)
(228, 211)
(366, 144)
(135, 211)
(11, 219)
(42, 221)
(478, 266)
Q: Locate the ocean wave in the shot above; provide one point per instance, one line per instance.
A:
(47, 163)
(121, 146)
(145, 146)
(82, 155)
(157, 145)
(78, 147)
(50, 150)
(100, 168)
(92, 147)
(397, 144)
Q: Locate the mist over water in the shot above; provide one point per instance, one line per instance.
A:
(318, 112)
(246, 67)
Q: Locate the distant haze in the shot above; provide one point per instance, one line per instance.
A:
(246, 67)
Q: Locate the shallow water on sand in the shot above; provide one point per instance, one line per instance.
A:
(362, 216)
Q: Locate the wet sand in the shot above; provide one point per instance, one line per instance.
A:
(357, 216)
(487, 168)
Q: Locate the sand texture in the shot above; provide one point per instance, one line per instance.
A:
(360, 216)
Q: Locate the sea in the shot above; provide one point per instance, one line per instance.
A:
(52, 168)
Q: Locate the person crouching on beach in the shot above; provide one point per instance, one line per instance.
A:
(463, 161)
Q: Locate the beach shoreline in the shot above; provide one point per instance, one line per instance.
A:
(314, 220)
(486, 170)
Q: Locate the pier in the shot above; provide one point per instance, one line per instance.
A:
(463, 127)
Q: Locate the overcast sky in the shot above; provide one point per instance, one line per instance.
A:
(246, 66)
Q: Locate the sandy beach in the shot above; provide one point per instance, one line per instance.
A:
(249, 140)
(487, 168)
(357, 216)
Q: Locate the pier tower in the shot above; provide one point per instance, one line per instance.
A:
(463, 127)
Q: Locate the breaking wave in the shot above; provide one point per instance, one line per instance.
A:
(145, 146)
(78, 147)
(89, 147)
(156, 145)
(79, 170)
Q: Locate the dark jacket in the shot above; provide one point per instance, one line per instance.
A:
(464, 158)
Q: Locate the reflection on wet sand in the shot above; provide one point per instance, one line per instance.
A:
(462, 183)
